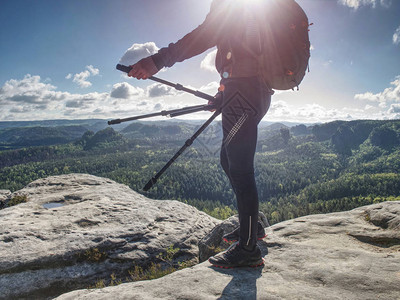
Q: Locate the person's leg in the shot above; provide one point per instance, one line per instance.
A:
(245, 103)
(240, 155)
(225, 164)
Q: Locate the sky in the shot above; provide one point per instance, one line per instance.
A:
(57, 60)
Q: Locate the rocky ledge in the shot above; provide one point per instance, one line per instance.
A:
(77, 229)
(346, 255)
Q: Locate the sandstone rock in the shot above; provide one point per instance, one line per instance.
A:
(76, 229)
(212, 243)
(312, 257)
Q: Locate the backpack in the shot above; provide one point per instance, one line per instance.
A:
(285, 44)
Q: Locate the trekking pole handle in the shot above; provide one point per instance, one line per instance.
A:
(123, 68)
(177, 86)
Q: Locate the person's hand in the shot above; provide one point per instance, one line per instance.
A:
(143, 69)
(216, 102)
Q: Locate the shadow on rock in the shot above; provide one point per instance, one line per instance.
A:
(243, 284)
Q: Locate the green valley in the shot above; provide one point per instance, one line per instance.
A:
(299, 170)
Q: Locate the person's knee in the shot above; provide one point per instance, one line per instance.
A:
(242, 179)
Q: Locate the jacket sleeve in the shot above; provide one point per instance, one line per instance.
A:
(199, 40)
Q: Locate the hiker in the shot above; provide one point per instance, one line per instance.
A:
(245, 100)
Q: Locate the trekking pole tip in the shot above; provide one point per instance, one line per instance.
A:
(112, 122)
(149, 184)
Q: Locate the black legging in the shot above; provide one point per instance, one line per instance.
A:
(245, 102)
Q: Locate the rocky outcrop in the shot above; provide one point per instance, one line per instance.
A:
(346, 255)
(76, 229)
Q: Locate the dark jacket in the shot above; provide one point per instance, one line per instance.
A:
(227, 27)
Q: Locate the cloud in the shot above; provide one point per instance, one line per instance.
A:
(158, 106)
(29, 90)
(316, 113)
(208, 63)
(310, 113)
(124, 90)
(32, 98)
(210, 88)
(81, 78)
(394, 109)
(396, 36)
(93, 70)
(355, 4)
(389, 95)
(137, 52)
(158, 90)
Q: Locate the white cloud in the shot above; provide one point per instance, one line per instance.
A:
(158, 90)
(137, 52)
(32, 98)
(93, 70)
(124, 90)
(208, 63)
(394, 109)
(384, 99)
(355, 4)
(396, 36)
(29, 90)
(210, 88)
(310, 113)
(316, 113)
(81, 78)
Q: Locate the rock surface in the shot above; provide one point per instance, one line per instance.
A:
(77, 229)
(346, 255)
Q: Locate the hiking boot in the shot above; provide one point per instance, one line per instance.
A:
(234, 235)
(235, 256)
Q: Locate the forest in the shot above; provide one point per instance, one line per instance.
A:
(299, 170)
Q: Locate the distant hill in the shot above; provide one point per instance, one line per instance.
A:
(141, 130)
(346, 136)
(105, 138)
(19, 134)
(39, 136)
(54, 123)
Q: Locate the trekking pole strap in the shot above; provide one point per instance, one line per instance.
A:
(177, 86)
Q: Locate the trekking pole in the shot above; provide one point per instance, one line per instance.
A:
(172, 113)
(177, 86)
(189, 142)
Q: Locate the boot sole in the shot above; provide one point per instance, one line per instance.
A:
(255, 265)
